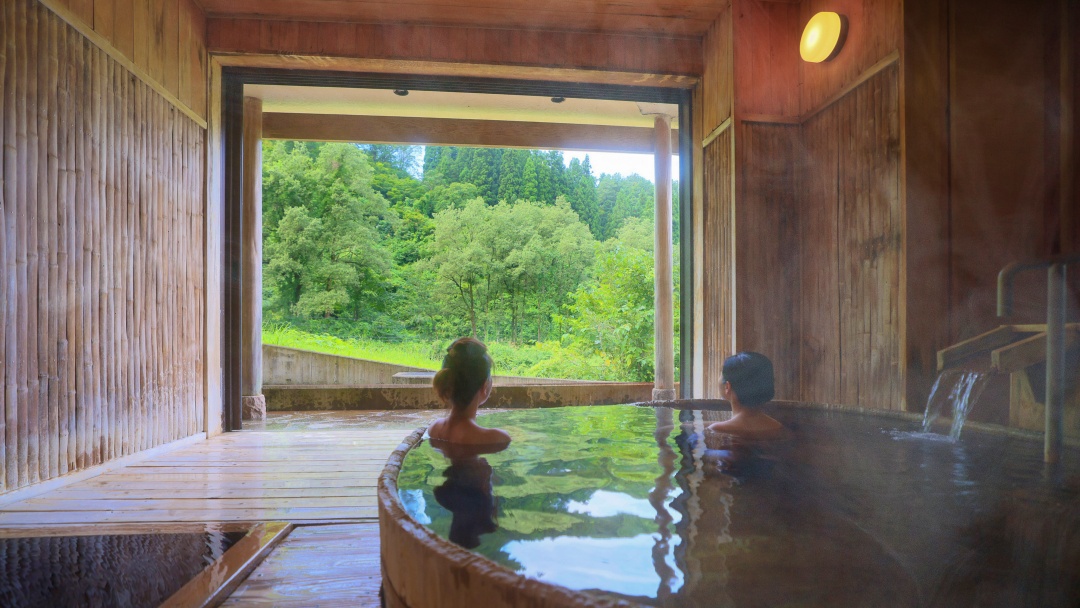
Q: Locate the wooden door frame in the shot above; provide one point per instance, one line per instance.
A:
(233, 80)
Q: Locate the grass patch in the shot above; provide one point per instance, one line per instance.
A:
(542, 360)
(413, 354)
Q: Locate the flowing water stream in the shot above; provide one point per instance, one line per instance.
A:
(958, 389)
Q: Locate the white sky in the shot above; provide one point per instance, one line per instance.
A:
(619, 162)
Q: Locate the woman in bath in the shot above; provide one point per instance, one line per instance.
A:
(464, 383)
(747, 382)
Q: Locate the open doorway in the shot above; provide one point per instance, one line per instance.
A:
(426, 130)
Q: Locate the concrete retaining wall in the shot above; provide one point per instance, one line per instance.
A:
(293, 366)
(290, 366)
(397, 396)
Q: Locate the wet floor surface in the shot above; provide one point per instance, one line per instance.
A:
(335, 565)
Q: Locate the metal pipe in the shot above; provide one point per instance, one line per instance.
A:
(1056, 305)
(1055, 361)
(1005, 278)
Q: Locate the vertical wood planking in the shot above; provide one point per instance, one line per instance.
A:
(719, 262)
(767, 267)
(100, 197)
(63, 244)
(80, 344)
(34, 179)
(849, 249)
(21, 214)
(4, 202)
(819, 365)
(51, 249)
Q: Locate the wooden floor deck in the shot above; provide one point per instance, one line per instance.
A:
(333, 565)
(250, 476)
(316, 470)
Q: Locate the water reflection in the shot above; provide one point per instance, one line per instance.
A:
(467, 491)
(625, 565)
(635, 503)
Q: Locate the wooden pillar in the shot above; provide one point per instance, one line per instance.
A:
(254, 404)
(664, 324)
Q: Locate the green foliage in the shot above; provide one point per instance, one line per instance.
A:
(512, 246)
(325, 256)
(612, 315)
(507, 262)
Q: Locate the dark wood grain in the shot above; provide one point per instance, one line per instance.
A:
(655, 54)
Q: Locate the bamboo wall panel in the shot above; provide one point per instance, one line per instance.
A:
(719, 261)
(102, 256)
(850, 226)
(165, 40)
(556, 49)
(766, 263)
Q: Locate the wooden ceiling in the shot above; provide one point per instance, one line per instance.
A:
(656, 17)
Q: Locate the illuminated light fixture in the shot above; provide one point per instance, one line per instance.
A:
(823, 37)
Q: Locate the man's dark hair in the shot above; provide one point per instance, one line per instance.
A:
(751, 377)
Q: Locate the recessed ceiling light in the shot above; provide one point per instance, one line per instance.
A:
(558, 99)
(401, 92)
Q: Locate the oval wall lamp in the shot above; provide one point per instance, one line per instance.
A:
(823, 37)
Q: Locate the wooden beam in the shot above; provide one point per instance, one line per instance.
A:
(458, 132)
(984, 343)
(646, 54)
(455, 69)
(1025, 353)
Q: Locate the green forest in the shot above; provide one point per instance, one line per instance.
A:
(390, 252)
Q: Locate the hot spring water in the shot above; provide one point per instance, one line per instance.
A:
(959, 390)
(631, 503)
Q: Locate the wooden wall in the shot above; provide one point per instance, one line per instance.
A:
(990, 160)
(554, 49)
(875, 29)
(817, 214)
(850, 249)
(101, 255)
(766, 59)
(717, 75)
(766, 244)
(161, 41)
(718, 278)
(1004, 159)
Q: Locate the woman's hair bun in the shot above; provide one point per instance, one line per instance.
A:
(465, 369)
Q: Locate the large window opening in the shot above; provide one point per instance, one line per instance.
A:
(390, 230)
(389, 252)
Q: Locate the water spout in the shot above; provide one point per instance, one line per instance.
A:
(961, 389)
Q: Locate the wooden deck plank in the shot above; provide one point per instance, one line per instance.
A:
(153, 483)
(312, 476)
(209, 493)
(201, 503)
(298, 514)
(336, 565)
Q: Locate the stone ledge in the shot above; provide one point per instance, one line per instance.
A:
(398, 396)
